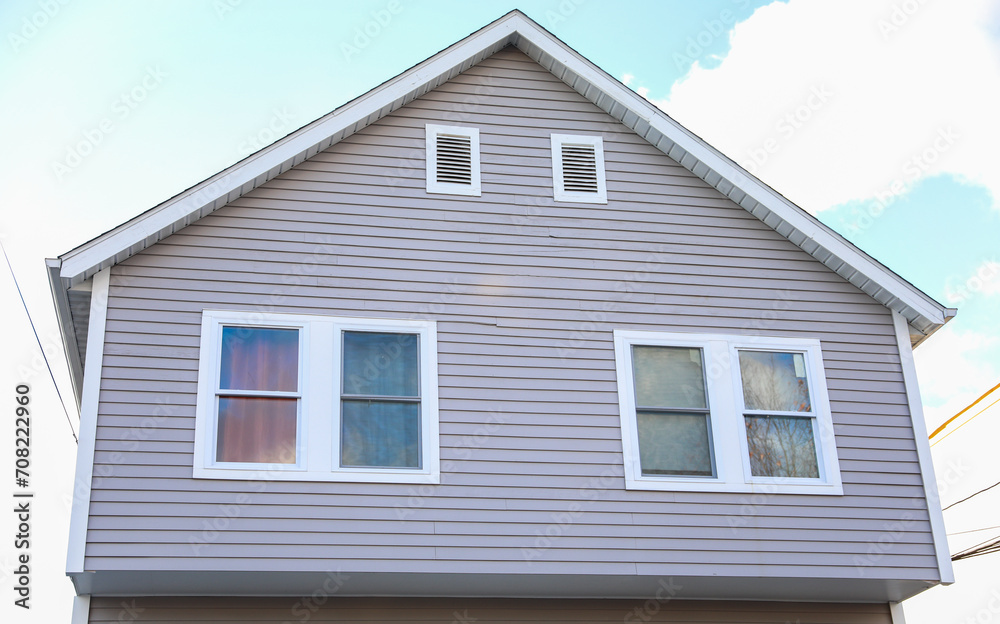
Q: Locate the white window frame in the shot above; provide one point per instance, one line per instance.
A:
(318, 423)
(433, 186)
(725, 399)
(558, 182)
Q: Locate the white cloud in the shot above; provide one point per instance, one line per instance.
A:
(910, 89)
(627, 79)
(950, 374)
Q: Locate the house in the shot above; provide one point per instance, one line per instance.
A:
(495, 341)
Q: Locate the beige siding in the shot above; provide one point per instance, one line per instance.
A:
(322, 608)
(526, 293)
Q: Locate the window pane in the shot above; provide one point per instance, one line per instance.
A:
(774, 381)
(256, 430)
(381, 364)
(255, 358)
(380, 433)
(781, 446)
(668, 377)
(674, 444)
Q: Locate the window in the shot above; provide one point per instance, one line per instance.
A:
(317, 398)
(453, 160)
(578, 169)
(725, 413)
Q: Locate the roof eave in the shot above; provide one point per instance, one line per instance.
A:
(64, 318)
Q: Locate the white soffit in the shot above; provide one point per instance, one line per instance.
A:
(922, 313)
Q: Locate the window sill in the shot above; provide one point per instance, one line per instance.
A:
(283, 473)
(764, 486)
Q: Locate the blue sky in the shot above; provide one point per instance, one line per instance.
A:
(878, 117)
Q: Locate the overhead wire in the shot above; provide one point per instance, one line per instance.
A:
(45, 358)
(971, 495)
(987, 547)
(974, 530)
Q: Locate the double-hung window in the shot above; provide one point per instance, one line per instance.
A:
(317, 398)
(725, 413)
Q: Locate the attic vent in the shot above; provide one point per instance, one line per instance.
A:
(578, 169)
(453, 160)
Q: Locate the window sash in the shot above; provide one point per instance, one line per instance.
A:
(666, 358)
(373, 360)
(251, 425)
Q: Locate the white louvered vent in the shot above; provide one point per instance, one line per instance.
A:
(453, 160)
(578, 169)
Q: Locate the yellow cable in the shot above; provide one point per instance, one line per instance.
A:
(950, 420)
(968, 421)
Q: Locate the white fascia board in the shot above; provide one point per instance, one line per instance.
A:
(791, 214)
(88, 424)
(927, 473)
(64, 318)
(89, 257)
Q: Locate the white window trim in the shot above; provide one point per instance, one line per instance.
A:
(728, 431)
(562, 195)
(433, 186)
(318, 431)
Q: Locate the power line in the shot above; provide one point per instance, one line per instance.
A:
(945, 437)
(40, 347)
(971, 495)
(974, 530)
(991, 545)
(967, 408)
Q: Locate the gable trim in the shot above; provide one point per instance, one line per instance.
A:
(922, 313)
(88, 424)
(922, 441)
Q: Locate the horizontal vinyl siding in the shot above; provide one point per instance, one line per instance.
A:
(483, 611)
(526, 293)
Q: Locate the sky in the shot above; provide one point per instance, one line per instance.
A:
(879, 117)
